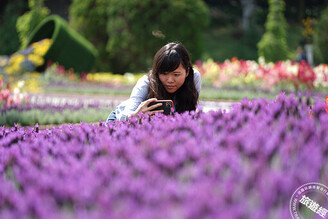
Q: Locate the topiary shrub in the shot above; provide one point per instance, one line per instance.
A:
(89, 17)
(67, 47)
(321, 38)
(135, 29)
(30, 20)
(273, 45)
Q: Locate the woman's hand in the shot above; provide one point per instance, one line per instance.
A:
(143, 107)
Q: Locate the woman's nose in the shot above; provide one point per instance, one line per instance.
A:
(170, 79)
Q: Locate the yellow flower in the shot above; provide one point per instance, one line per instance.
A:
(32, 83)
(250, 78)
(41, 47)
(35, 59)
(33, 74)
(89, 77)
(12, 69)
(107, 77)
(16, 59)
(33, 86)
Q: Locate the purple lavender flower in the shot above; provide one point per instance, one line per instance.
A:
(242, 164)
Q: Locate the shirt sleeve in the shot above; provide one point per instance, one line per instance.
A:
(139, 93)
(197, 80)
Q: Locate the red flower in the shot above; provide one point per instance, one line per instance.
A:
(234, 59)
(306, 74)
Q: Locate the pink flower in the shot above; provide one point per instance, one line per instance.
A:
(5, 93)
(9, 101)
(26, 98)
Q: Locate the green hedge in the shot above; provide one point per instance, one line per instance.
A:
(89, 17)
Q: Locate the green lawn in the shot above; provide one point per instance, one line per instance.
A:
(207, 92)
(82, 90)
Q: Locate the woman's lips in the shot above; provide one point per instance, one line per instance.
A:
(170, 86)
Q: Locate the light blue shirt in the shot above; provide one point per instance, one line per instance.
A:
(138, 95)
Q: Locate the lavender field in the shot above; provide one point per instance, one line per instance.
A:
(245, 163)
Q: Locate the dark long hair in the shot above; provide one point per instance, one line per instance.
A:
(167, 59)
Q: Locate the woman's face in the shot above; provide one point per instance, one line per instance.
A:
(173, 80)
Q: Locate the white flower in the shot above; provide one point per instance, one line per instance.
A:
(20, 84)
(16, 90)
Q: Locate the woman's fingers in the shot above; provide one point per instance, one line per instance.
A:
(157, 111)
(143, 105)
(146, 102)
(144, 108)
(154, 106)
(152, 113)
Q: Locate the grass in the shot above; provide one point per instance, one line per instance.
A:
(126, 91)
(44, 117)
(226, 94)
(207, 92)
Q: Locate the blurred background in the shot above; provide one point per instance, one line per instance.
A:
(85, 56)
(127, 33)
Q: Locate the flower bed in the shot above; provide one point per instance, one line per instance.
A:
(243, 164)
(264, 78)
(26, 60)
(280, 75)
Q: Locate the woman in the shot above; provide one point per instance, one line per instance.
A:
(171, 78)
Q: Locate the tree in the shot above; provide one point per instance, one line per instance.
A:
(321, 38)
(273, 46)
(28, 21)
(89, 17)
(134, 30)
(9, 13)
